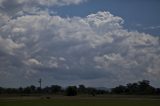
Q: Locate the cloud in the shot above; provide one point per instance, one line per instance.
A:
(16, 8)
(33, 62)
(92, 49)
(41, 2)
(8, 45)
(152, 27)
(4, 19)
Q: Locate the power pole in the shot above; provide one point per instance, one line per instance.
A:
(40, 83)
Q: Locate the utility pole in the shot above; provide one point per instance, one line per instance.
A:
(40, 83)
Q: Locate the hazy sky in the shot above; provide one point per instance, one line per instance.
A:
(71, 42)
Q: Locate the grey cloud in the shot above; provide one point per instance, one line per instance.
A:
(8, 45)
(92, 49)
(4, 19)
(14, 8)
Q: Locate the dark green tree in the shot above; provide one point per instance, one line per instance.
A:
(55, 89)
(82, 89)
(119, 90)
(71, 91)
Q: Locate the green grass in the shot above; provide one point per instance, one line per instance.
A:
(81, 102)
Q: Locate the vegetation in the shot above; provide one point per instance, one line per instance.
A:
(87, 96)
(71, 91)
(138, 88)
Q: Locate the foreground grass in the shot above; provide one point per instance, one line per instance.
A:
(81, 102)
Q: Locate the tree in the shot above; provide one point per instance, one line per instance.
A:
(20, 90)
(91, 91)
(55, 88)
(71, 91)
(145, 88)
(158, 91)
(1, 90)
(119, 90)
(82, 89)
(27, 90)
(32, 88)
(47, 90)
(132, 88)
(139, 88)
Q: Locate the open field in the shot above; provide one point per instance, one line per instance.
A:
(80, 101)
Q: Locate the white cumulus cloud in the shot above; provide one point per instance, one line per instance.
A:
(93, 48)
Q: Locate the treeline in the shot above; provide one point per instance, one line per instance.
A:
(54, 89)
(138, 88)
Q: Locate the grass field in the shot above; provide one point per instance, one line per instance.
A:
(91, 101)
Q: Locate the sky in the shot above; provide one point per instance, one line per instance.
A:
(98, 43)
